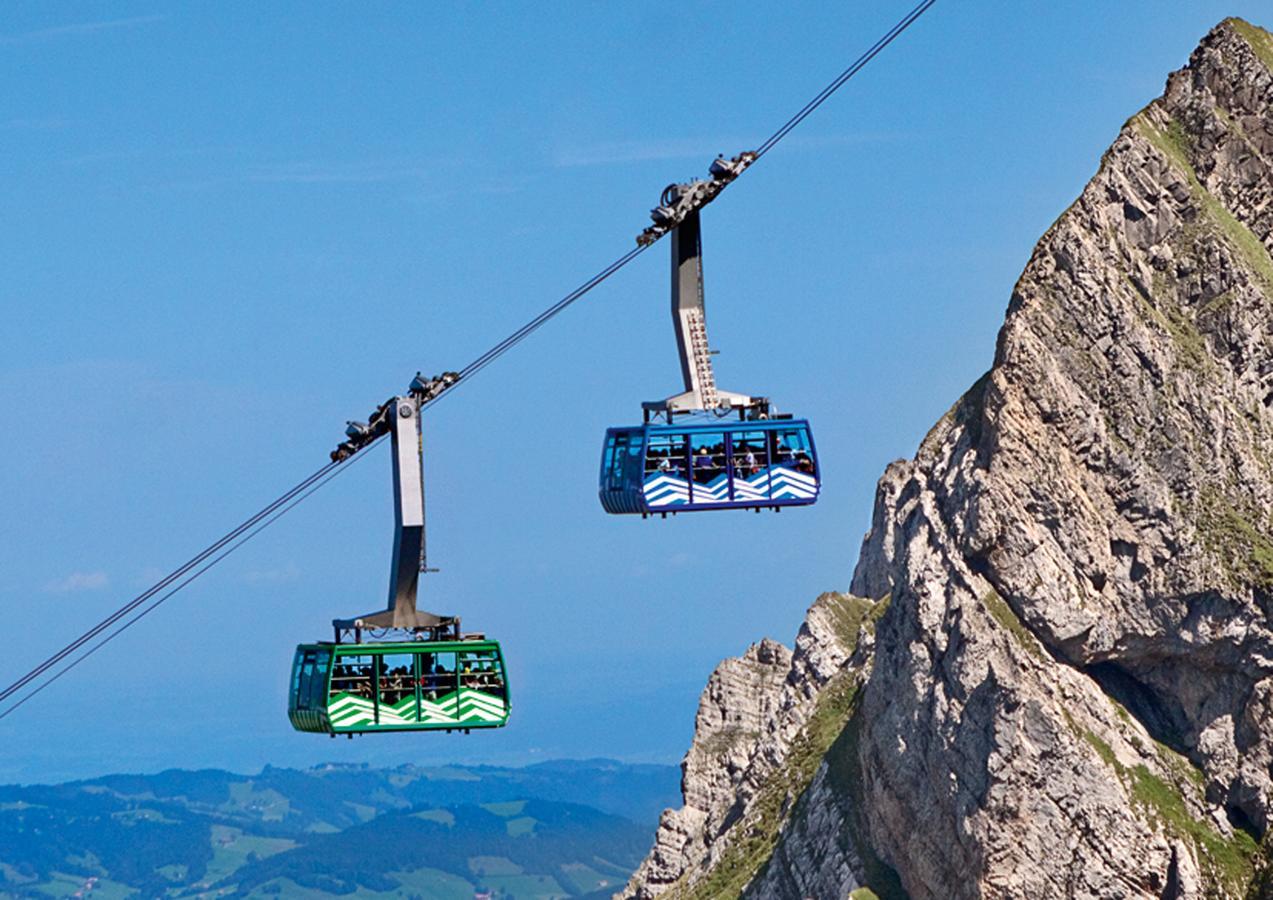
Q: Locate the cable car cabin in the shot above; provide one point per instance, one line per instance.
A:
(411, 686)
(715, 465)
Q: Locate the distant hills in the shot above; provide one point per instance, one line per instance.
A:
(558, 829)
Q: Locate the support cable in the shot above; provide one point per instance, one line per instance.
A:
(249, 528)
(858, 64)
(331, 472)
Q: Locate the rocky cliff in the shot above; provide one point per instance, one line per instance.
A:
(1053, 674)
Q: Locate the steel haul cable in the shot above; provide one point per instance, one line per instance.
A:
(331, 472)
(252, 526)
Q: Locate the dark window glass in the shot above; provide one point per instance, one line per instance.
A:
(666, 455)
(790, 448)
(751, 453)
(482, 670)
(352, 675)
(437, 674)
(302, 688)
(397, 678)
(708, 455)
(632, 462)
(296, 676)
(318, 680)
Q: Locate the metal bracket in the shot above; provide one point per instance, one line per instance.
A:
(360, 434)
(679, 201)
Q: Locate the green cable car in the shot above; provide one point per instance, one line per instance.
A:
(399, 669)
(404, 686)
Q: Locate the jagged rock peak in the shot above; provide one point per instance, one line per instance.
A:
(1070, 693)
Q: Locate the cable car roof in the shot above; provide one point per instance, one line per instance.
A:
(713, 426)
(373, 647)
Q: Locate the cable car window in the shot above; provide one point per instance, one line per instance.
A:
(481, 670)
(666, 455)
(708, 452)
(397, 679)
(751, 453)
(352, 675)
(437, 674)
(615, 444)
(318, 680)
(297, 665)
(306, 675)
(791, 449)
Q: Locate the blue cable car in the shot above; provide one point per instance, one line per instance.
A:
(712, 465)
(754, 460)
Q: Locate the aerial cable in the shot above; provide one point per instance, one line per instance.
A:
(331, 471)
(858, 64)
(534, 324)
(249, 528)
(163, 583)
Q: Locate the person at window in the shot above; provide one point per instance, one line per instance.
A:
(782, 453)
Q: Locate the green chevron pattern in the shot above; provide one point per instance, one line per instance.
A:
(465, 707)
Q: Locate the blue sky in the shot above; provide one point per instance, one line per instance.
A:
(229, 228)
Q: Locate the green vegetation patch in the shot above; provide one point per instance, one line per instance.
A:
(442, 816)
(849, 614)
(1259, 39)
(1103, 750)
(1176, 145)
(844, 770)
(431, 883)
(1227, 862)
(483, 866)
(1002, 613)
(504, 810)
(521, 826)
(232, 849)
(755, 837)
(1237, 538)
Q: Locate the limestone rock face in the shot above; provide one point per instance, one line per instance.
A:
(1071, 691)
(752, 712)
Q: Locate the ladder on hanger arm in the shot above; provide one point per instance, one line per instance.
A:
(678, 213)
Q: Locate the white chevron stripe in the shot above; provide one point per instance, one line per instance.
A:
(778, 482)
(491, 704)
(348, 711)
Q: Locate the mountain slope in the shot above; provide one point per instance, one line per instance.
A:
(1068, 687)
(406, 831)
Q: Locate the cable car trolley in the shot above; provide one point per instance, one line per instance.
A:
(704, 448)
(399, 669)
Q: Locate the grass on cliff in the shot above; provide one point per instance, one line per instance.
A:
(1002, 613)
(1175, 144)
(1227, 863)
(849, 614)
(844, 770)
(754, 838)
(1241, 545)
(1259, 39)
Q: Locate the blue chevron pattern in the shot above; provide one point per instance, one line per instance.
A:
(774, 483)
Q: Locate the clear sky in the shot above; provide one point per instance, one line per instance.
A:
(228, 228)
